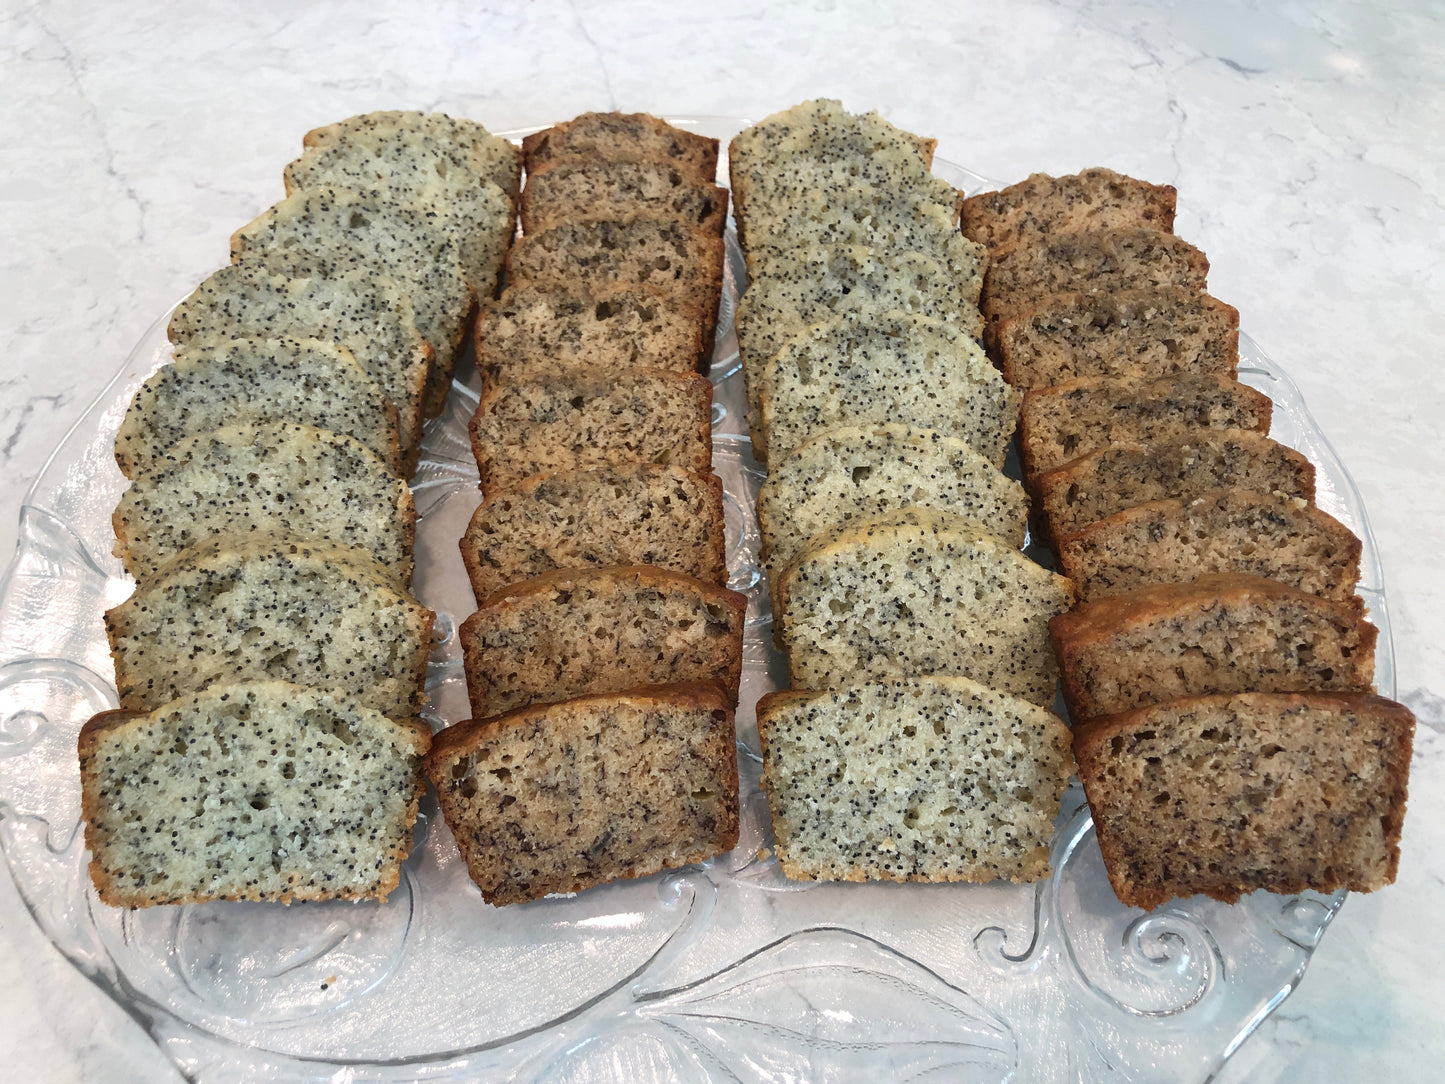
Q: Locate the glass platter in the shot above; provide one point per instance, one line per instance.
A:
(719, 971)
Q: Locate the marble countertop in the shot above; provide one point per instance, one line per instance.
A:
(1303, 140)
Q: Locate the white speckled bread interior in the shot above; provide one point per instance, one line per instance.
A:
(924, 779)
(240, 480)
(204, 797)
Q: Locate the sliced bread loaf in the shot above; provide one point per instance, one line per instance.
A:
(919, 591)
(641, 249)
(368, 314)
(409, 140)
(822, 282)
(589, 188)
(1224, 795)
(1060, 423)
(1104, 482)
(1091, 262)
(271, 607)
(575, 632)
(533, 330)
(276, 477)
(258, 791)
(245, 381)
(583, 420)
(1232, 530)
(1124, 334)
(641, 514)
(624, 137)
(858, 472)
(926, 779)
(408, 237)
(561, 797)
(1041, 207)
(858, 369)
(1217, 634)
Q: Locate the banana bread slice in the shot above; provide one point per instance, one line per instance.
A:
(857, 472)
(640, 514)
(368, 314)
(251, 791)
(926, 779)
(1091, 262)
(274, 477)
(642, 249)
(1226, 633)
(574, 632)
(1224, 795)
(246, 381)
(1232, 530)
(589, 188)
(1042, 206)
(919, 591)
(582, 420)
(1123, 334)
(858, 369)
(271, 607)
(535, 330)
(409, 237)
(1060, 423)
(561, 797)
(1104, 482)
(410, 140)
(622, 137)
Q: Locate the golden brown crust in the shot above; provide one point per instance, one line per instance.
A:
(1040, 205)
(620, 136)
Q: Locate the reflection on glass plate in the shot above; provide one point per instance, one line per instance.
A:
(720, 970)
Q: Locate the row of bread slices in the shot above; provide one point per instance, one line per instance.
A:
(915, 742)
(1219, 669)
(271, 663)
(604, 659)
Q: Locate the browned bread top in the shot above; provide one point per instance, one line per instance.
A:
(1040, 206)
(622, 137)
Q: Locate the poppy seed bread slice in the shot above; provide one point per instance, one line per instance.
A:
(641, 249)
(271, 607)
(305, 381)
(1091, 262)
(919, 591)
(612, 137)
(368, 314)
(582, 420)
(561, 797)
(275, 477)
(1060, 423)
(328, 231)
(1232, 530)
(534, 330)
(423, 141)
(1124, 334)
(254, 791)
(856, 472)
(640, 514)
(856, 370)
(1217, 634)
(926, 779)
(823, 282)
(575, 632)
(1041, 206)
(585, 188)
(1110, 480)
(1224, 795)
